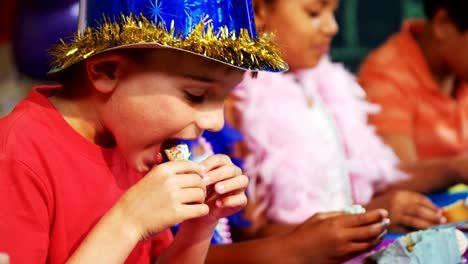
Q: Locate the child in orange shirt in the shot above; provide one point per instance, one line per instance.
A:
(419, 79)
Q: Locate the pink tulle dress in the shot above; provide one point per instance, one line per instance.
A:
(310, 146)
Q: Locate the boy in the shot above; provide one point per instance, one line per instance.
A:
(419, 78)
(81, 175)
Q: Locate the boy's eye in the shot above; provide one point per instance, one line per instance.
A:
(194, 98)
(314, 13)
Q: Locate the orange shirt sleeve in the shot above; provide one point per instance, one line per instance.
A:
(396, 110)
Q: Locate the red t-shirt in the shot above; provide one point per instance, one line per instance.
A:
(55, 186)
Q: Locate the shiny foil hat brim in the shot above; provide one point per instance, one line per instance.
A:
(241, 50)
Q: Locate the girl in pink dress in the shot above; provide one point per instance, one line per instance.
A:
(309, 146)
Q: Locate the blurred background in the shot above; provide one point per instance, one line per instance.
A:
(365, 24)
(29, 27)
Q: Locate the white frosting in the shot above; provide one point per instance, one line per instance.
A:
(354, 209)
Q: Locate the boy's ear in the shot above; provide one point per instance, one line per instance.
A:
(442, 25)
(105, 71)
(260, 8)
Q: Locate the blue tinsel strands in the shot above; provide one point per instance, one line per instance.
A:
(186, 14)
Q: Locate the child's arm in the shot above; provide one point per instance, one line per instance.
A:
(268, 250)
(426, 175)
(110, 241)
(190, 244)
(434, 175)
(169, 194)
(323, 238)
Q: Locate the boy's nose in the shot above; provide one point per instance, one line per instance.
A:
(212, 120)
(330, 27)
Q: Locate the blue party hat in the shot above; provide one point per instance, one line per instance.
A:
(222, 30)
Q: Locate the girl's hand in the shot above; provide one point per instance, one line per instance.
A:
(335, 238)
(225, 187)
(408, 210)
(169, 194)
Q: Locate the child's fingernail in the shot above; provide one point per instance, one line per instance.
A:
(207, 180)
(202, 169)
(219, 188)
(386, 222)
(219, 203)
(443, 220)
(383, 212)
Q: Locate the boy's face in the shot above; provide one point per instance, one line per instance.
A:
(451, 44)
(304, 28)
(455, 50)
(172, 95)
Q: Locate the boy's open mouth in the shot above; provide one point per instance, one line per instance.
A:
(168, 143)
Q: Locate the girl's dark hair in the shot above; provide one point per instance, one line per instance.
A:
(456, 9)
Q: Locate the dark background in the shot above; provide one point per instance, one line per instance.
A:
(364, 24)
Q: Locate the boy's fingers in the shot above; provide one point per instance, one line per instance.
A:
(360, 247)
(426, 202)
(414, 222)
(222, 173)
(237, 183)
(179, 167)
(364, 219)
(192, 195)
(190, 181)
(194, 210)
(356, 248)
(216, 161)
(325, 215)
(235, 200)
(425, 214)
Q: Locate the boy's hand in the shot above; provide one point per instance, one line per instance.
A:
(335, 238)
(225, 186)
(169, 194)
(408, 210)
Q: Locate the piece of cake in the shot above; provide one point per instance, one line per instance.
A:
(178, 152)
(354, 209)
(432, 246)
(457, 211)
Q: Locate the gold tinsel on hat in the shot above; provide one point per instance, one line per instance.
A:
(242, 50)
